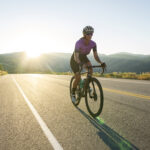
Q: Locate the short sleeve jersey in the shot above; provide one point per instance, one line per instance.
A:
(85, 49)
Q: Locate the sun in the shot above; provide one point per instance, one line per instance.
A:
(33, 54)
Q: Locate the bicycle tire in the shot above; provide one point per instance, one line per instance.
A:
(101, 98)
(79, 98)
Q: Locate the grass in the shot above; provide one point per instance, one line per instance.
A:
(121, 75)
(126, 75)
(3, 73)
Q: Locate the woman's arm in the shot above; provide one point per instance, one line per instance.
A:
(97, 57)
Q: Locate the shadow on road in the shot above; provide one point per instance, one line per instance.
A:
(108, 135)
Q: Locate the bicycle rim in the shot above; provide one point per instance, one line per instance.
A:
(94, 97)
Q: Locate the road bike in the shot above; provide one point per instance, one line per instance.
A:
(90, 89)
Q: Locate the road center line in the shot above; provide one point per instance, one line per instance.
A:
(42, 124)
(127, 93)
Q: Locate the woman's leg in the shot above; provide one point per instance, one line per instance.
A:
(75, 67)
(77, 80)
(88, 64)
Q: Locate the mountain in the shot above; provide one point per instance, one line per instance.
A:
(60, 62)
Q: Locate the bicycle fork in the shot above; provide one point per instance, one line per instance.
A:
(92, 94)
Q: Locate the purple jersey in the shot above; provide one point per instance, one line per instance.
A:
(84, 49)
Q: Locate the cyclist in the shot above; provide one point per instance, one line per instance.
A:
(79, 57)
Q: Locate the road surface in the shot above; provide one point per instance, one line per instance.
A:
(36, 113)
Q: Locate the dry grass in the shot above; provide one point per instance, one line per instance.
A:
(3, 72)
(144, 76)
(126, 75)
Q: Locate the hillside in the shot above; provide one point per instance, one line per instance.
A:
(60, 62)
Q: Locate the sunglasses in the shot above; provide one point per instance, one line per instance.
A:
(89, 34)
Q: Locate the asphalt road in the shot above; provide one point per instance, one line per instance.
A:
(36, 113)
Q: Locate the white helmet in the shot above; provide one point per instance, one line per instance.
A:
(88, 29)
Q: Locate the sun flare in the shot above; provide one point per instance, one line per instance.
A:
(33, 54)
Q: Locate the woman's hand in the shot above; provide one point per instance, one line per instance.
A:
(103, 64)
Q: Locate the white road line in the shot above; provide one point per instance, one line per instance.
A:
(43, 125)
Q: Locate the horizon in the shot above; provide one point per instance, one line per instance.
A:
(71, 53)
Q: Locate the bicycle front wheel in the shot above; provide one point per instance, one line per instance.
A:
(94, 97)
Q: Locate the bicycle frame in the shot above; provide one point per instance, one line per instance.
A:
(88, 78)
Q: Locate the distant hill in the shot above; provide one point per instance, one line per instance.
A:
(60, 62)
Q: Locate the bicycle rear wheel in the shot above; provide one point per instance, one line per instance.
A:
(94, 97)
(77, 92)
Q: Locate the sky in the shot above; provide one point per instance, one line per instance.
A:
(44, 26)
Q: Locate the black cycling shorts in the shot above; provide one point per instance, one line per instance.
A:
(74, 65)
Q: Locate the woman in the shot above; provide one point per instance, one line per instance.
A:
(82, 48)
